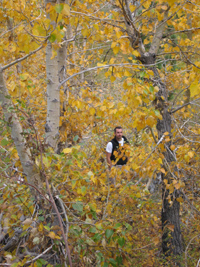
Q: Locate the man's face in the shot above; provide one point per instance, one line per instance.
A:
(118, 134)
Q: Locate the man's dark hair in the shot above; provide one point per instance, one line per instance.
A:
(116, 128)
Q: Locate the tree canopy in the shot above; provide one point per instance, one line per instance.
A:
(70, 72)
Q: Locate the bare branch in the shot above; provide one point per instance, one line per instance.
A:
(60, 221)
(39, 256)
(186, 30)
(184, 105)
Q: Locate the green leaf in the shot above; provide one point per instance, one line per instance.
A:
(4, 142)
(41, 218)
(75, 138)
(121, 241)
(83, 189)
(92, 230)
(151, 89)
(109, 233)
(117, 225)
(59, 8)
(119, 260)
(41, 262)
(142, 74)
(97, 237)
(113, 262)
(52, 37)
(171, 96)
(47, 227)
(105, 264)
(78, 206)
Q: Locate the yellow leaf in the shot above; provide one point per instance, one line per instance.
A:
(67, 150)
(195, 89)
(100, 64)
(92, 111)
(134, 166)
(113, 44)
(179, 199)
(170, 227)
(156, 240)
(112, 79)
(150, 121)
(40, 227)
(85, 32)
(146, 41)
(28, 221)
(103, 108)
(52, 235)
(136, 53)
(162, 170)
(177, 185)
(49, 8)
(166, 133)
(165, 181)
(119, 34)
(116, 49)
(127, 73)
(167, 139)
(172, 147)
(132, 8)
(146, 4)
(66, 10)
(150, 72)
(12, 48)
(191, 154)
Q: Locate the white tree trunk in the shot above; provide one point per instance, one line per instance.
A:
(23, 151)
(53, 97)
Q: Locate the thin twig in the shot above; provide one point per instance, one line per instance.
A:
(60, 221)
(184, 105)
(188, 247)
(39, 256)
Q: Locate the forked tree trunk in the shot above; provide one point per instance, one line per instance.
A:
(171, 238)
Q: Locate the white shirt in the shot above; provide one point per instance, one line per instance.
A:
(109, 146)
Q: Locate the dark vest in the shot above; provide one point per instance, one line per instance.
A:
(115, 144)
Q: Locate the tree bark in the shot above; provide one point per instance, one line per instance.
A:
(23, 151)
(171, 238)
(53, 96)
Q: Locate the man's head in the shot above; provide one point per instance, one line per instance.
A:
(118, 133)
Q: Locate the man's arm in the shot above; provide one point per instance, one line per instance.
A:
(108, 155)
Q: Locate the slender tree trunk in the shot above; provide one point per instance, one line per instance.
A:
(53, 97)
(23, 151)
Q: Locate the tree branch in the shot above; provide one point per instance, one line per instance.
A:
(158, 34)
(184, 105)
(22, 58)
(39, 256)
(60, 221)
(186, 30)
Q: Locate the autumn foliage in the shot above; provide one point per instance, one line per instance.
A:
(71, 72)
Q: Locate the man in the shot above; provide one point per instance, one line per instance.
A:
(116, 148)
